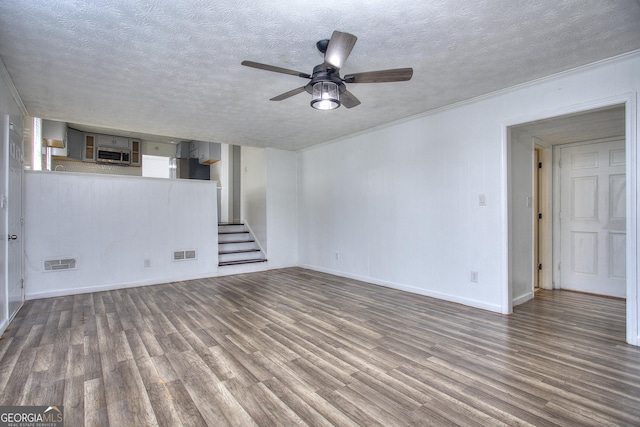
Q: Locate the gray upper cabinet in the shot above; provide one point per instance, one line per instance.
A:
(113, 141)
(207, 153)
(75, 144)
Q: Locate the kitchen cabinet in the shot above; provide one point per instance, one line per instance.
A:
(207, 153)
(136, 152)
(54, 135)
(183, 150)
(89, 148)
(113, 141)
(193, 150)
(75, 145)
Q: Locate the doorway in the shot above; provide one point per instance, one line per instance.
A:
(602, 122)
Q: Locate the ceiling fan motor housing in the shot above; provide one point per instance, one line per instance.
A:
(323, 74)
(322, 45)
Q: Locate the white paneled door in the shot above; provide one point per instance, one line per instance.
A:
(14, 202)
(593, 218)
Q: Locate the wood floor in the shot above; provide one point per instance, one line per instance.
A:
(296, 347)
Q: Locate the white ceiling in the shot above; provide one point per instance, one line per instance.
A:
(586, 126)
(172, 67)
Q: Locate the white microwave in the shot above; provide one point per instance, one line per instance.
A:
(113, 155)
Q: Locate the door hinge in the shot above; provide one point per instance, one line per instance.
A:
(539, 215)
(559, 265)
(21, 221)
(539, 266)
(560, 163)
(22, 283)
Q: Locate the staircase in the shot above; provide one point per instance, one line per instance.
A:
(236, 245)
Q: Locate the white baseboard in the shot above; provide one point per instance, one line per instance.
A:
(408, 288)
(249, 268)
(524, 298)
(114, 286)
(3, 326)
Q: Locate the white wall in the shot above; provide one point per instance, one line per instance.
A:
(159, 149)
(111, 224)
(269, 202)
(282, 212)
(254, 192)
(399, 204)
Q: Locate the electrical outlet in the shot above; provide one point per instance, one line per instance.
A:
(147, 263)
(474, 276)
(482, 200)
(337, 255)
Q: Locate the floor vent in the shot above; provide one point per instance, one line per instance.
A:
(59, 264)
(184, 255)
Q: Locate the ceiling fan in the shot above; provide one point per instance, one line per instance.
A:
(327, 88)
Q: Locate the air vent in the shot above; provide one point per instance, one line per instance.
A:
(184, 255)
(59, 264)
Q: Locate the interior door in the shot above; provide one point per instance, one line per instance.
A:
(593, 218)
(14, 205)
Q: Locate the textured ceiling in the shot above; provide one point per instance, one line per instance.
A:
(591, 125)
(172, 68)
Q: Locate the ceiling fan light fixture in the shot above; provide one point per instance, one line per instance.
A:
(325, 96)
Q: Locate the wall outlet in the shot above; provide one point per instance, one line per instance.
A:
(147, 263)
(337, 255)
(482, 200)
(474, 276)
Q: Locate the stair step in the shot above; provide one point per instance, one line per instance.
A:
(231, 228)
(240, 256)
(237, 246)
(220, 242)
(239, 251)
(235, 237)
(246, 261)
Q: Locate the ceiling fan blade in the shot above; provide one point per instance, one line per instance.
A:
(275, 69)
(395, 75)
(349, 100)
(339, 48)
(288, 94)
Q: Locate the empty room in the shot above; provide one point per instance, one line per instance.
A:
(319, 213)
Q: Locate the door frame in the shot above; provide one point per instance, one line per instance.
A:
(545, 206)
(5, 170)
(633, 160)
